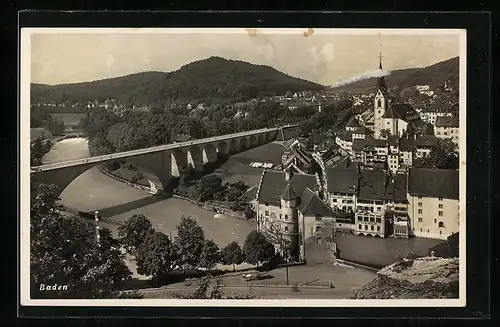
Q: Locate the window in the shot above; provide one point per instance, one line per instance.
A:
(379, 104)
(318, 229)
(286, 217)
(379, 220)
(420, 211)
(419, 197)
(334, 200)
(286, 228)
(266, 204)
(366, 227)
(378, 209)
(280, 215)
(440, 213)
(372, 220)
(440, 232)
(440, 199)
(441, 224)
(420, 204)
(420, 219)
(266, 213)
(359, 226)
(427, 231)
(378, 228)
(435, 220)
(372, 227)
(440, 206)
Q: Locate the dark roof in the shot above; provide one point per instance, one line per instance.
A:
(447, 121)
(311, 204)
(403, 111)
(434, 183)
(250, 194)
(342, 180)
(362, 130)
(358, 144)
(319, 138)
(378, 185)
(375, 142)
(346, 162)
(345, 135)
(391, 113)
(393, 140)
(273, 183)
(426, 140)
(406, 144)
(288, 193)
(352, 122)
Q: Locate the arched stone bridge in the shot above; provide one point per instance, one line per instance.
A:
(165, 161)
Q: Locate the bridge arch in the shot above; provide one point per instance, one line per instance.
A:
(179, 162)
(209, 154)
(156, 166)
(195, 158)
(223, 147)
(234, 145)
(261, 138)
(254, 140)
(246, 142)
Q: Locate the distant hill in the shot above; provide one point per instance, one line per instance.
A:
(214, 77)
(435, 76)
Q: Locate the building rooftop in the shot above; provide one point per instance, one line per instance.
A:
(434, 183)
(378, 185)
(273, 184)
(402, 111)
(311, 204)
(363, 130)
(447, 121)
(342, 180)
(288, 193)
(352, 122)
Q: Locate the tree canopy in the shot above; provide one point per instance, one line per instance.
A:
(189, 242)
(134, 232)
(64, 251)
(256, 248)
(210, 255)
(156, 255)
(232, 254)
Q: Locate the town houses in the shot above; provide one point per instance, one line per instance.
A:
(363, 181)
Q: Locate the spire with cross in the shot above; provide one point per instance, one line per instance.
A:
(380, 57)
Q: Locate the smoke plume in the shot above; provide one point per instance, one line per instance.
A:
(362, 76)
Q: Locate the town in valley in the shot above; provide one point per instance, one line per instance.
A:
(226, 179)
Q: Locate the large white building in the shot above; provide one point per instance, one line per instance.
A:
(447, 128)
(433, 202)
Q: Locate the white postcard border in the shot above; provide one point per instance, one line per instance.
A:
(24, 132)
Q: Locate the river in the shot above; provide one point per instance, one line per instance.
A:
(93, 190)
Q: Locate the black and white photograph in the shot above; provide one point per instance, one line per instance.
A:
(243, 167)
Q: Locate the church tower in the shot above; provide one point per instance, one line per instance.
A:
(290, 220)
(380, 103)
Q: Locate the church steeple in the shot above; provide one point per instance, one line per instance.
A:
(381, 80)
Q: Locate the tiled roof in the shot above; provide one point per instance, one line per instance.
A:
(342, 180)
(447, 121)
(311, 204)
(393, 140)
(378, 185)
(426, 141)
(402, 111)
(346, 162)
(288, 193)
(358, 144)
(434, 183)
(406, 145)
(273, 183)
(352, 122)
(362, 130)
(345, 135)
(391, 113)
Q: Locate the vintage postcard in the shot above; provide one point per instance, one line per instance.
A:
(243, 167)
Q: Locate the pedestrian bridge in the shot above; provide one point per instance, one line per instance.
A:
(165, 161)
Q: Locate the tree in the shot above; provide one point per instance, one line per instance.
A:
(155, 256)
(189, 241)
(443, 156)
(210, 255)
(64, 251)
(207, 187)
(232, 254)
(134, 232)
(186, 175)
(256, 248)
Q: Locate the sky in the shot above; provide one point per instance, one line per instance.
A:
(328, 59)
